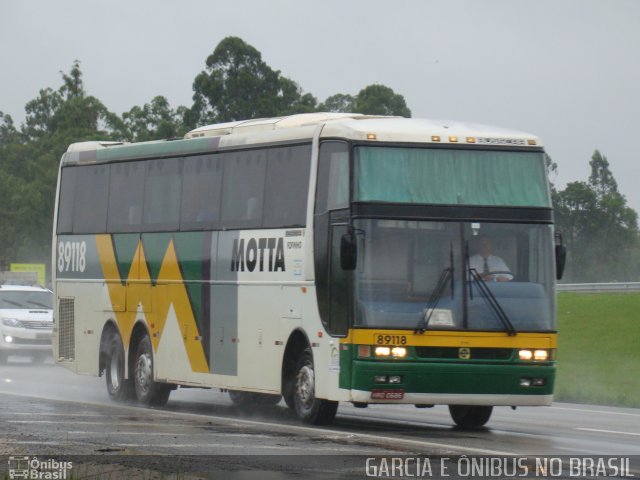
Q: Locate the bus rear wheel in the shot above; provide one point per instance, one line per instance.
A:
(118, 388)
(310, 409)
(148, 391)
(470, 416)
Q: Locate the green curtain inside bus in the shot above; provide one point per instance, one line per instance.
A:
(451, 177)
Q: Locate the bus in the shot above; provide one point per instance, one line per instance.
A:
(316, 258)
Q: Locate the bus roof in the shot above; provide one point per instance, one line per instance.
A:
(301, 127)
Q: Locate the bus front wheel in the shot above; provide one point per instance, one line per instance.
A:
(118, 388)
(470, 416)
(148, 391)
(310, 409)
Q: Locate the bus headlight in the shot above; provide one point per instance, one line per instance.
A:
(541, 355)
(537, 355)
(399, 352)
(525, 354)
(383, 351)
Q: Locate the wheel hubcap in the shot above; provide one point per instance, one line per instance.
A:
(143, 372)
(305, 386)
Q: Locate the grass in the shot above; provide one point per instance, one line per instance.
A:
(599, 348)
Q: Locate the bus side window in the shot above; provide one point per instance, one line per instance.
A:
(126, 189)
(201, 192)
(162, 194)
(92, 189)
(333, 177)
(285, 203)
(243, 191)
(66, 200)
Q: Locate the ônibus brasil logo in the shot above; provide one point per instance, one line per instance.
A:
(33, 468)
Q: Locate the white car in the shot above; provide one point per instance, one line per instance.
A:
(26, 322)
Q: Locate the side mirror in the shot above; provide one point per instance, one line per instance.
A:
(561, 256)
(348, 251)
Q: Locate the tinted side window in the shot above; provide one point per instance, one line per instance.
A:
(287, 186)
(126, 189)
(66, 199)
(201, 192)
(243, 189)
(92, 191)
(162, 190)
(333, 177)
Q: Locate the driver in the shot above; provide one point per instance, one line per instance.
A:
(489, 266)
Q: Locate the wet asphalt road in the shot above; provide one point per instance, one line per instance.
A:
(47, 410)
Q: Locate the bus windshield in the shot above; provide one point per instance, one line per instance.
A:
(450, 275)
(450, 176)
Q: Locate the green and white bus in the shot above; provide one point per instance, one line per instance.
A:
(321, 257)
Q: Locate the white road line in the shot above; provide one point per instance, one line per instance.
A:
(226, 445)
(107, 423)
(608, 431)
(605, 412)
(47, 414)
(150, 434)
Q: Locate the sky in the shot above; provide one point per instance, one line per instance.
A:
(565, 70)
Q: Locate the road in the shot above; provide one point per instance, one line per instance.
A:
(46, 410)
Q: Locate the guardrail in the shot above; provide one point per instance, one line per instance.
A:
(599, 287)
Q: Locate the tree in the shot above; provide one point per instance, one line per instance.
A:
(153, 121)
(371, 100)
(237, 84)
(29, 160)
(600, 230)
(381, 100)
(340, 102)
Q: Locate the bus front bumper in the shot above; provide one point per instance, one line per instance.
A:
(442, 383)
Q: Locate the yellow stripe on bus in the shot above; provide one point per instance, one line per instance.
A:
(155, 301)
(433, 338)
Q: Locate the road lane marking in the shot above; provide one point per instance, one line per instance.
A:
(43, 414)
(243, 446)
(121, 424)
(608, 431)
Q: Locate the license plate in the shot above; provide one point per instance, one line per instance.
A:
(387, 394)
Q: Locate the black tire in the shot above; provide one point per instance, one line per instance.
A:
(288, 391)
(118, 388)
(148, 391)
(310, 409)
(470, 416)
(251, 399)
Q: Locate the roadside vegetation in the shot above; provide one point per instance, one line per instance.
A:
(598, 348)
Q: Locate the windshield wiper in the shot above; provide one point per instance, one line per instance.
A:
(491, 300)
(432, 303)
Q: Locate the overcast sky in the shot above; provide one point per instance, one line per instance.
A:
(568, 71)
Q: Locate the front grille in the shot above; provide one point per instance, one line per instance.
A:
(37, 324)
(454, 353)
(66, 329)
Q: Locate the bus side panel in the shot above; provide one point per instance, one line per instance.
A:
(81, 285)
